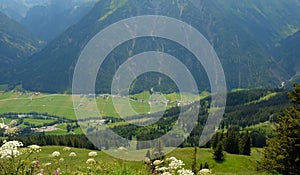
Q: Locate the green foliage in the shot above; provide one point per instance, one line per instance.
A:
(283, 151)
(295, 95)
(245, 144)
(215, 140)
(76, 141)
(219, 152)
(105, 164)
(232, 142)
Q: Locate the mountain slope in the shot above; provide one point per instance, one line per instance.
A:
(16, 43)
(17, 9)
(48, 21)
(288, 55)
(242, 33)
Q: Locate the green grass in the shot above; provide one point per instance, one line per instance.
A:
(54, 104)
(143, 95)
(233, 164)
(57, 132)
(103, 160)
(5, 120)
(62, 130)
(239, 89)
(62, 105)
(266, 126)
(264, 98)
(37, 122)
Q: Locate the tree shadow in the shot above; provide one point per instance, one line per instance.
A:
(220, 161)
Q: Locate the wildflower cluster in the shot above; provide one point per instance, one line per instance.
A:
(204, 171)
(91, 161)
(175, 167)
(3, 126)
(10, 149)
(66, 149)
(55, 154)
(9, 129)
(12, 163)
(92, 154)
(34, 148)
(72, 154)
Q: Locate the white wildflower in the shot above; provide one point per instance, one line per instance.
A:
(162, 169)
(166, 173)
(91, 161)
(34, 148)
(61, 159)
(3, 126)
(10, 149)
(55, 154)
(92, 154)
(72, 154)
(175, 163)
(185, 172)
(204, 171)
(67, 149)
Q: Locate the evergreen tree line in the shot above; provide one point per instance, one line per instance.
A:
(15, 115)
(76, 141)
(242, 115)
(232, 141)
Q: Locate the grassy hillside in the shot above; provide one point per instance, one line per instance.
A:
(233, 164)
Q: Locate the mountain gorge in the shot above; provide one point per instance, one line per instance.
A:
(243, 33)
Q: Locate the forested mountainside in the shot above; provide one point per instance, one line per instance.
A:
(16, 43)
(243, 34)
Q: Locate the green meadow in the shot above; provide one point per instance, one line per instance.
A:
(233, 164)
(61, 105)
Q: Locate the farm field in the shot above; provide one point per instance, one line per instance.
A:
(61, 105)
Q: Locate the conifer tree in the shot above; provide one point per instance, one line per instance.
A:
(282, 153)
(219, 152)
(215, 140)
(232, 142)
(245, 144)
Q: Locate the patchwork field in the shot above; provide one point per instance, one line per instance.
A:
(61, 105)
